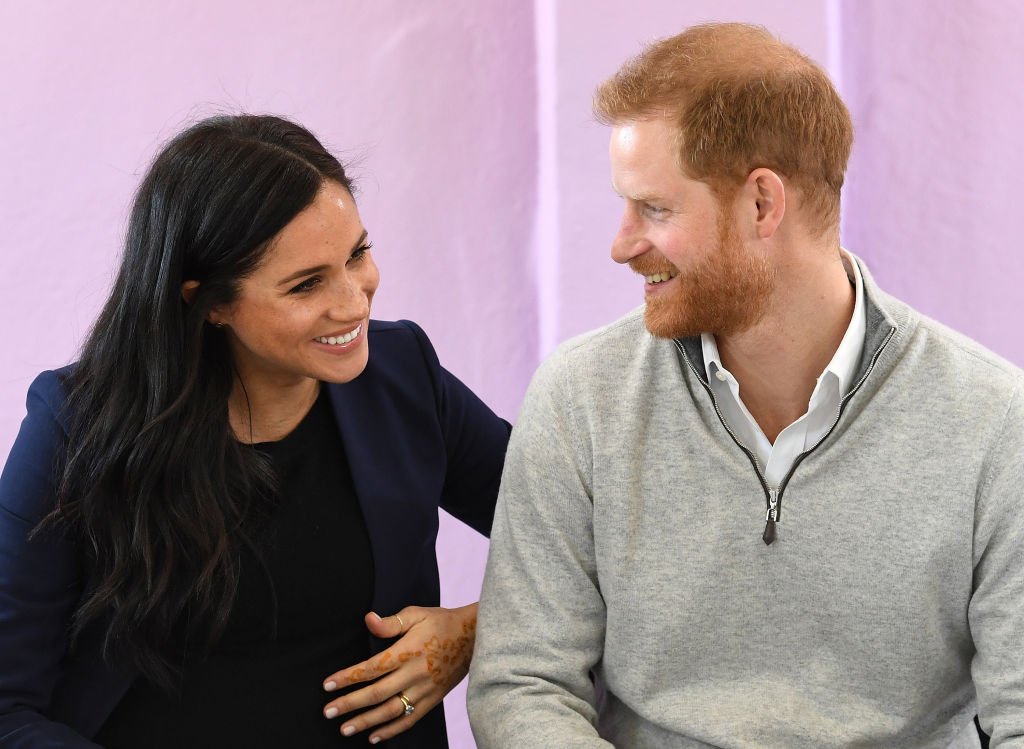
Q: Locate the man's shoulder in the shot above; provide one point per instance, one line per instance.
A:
(605, 364)
(626, 330)
(945, 357)
(970, 360)
(605, 351)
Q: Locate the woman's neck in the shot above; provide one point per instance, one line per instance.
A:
(265, 412)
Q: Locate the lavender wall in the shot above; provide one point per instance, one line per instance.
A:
(484, 178)
(935, 92)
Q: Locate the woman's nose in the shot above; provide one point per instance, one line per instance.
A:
(349, 302)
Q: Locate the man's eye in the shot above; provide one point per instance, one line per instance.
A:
(654, 210)
(305, 286)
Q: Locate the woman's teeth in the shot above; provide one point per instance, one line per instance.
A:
(340, 340)
(660, 277)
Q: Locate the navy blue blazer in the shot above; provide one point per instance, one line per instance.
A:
(416, 439)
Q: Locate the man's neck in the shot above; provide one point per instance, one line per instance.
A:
(777, 361)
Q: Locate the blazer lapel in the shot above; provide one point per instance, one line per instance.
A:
(392, 484)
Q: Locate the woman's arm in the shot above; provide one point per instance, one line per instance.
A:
(435, 644)
(39, 584)
(475, 441)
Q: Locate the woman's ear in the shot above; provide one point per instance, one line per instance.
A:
(188, 291)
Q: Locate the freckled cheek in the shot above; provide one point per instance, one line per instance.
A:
(291, 326)
(371, 283)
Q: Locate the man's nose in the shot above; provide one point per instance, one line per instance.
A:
(630, 241)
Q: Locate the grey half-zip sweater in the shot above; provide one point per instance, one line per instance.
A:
(630, 598)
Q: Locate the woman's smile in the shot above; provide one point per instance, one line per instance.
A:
(342, 342)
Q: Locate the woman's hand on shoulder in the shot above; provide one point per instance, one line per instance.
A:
(430, 657)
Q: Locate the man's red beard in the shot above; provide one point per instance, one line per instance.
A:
(724, 293)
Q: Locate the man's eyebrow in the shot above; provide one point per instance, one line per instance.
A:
(321, 268)
(641, 197)
(647, 197)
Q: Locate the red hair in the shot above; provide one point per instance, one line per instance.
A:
(742, 99)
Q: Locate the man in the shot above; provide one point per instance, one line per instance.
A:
(775, 507)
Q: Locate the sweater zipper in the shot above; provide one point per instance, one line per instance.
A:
(773, 508)
(773, 497)
(771, 517)
(839, 412)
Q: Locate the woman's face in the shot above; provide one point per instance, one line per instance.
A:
(303, 313)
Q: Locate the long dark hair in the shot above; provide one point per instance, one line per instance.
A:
(154, 485)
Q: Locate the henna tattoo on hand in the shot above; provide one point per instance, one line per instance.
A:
(448, 660)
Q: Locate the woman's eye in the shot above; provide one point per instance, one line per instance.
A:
(360, 252)
(654, 210)
(306, 285)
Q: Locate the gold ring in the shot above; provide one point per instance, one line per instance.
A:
(409, 707)
(400, 622)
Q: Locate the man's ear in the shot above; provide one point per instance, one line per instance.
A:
(767, 193)
(188, 291)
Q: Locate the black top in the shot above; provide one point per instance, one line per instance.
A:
(259, 687)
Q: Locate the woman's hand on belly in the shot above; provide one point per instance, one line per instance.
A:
(430, 658)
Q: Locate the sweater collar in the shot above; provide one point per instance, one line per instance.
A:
(885, 317)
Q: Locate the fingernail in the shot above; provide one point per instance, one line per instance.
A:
(331, 712)
(375, 740)
(348, 730)
(376, 616)
(330, 686)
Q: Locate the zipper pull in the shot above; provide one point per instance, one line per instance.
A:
(771, 517)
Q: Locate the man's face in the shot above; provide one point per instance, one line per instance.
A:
(700, 276)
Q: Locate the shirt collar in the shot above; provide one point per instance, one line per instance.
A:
(712, 359)
(846, 358)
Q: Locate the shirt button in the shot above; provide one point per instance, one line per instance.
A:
(720, 375)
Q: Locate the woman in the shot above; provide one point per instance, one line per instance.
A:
(197, 516)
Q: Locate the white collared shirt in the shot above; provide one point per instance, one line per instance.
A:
(822, 410)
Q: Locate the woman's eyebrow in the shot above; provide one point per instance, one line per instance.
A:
(320, 268)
